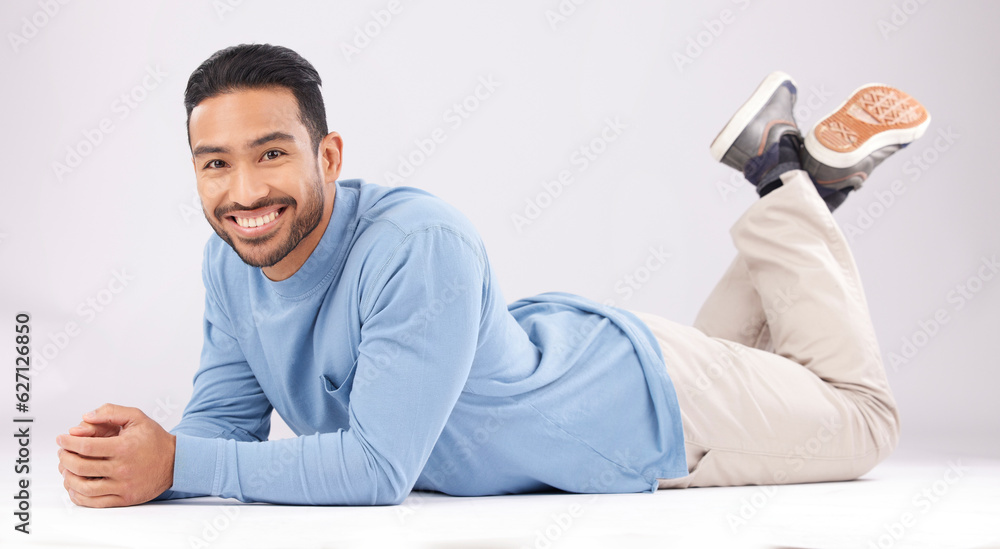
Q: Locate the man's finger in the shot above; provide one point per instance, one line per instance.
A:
(113, 413)
(89, 446)
(85, 429)
(92, 487)
(84, 466)
(96, 501)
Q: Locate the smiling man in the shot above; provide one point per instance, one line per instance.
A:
(370, 318)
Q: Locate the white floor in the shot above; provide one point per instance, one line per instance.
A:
(926, 502)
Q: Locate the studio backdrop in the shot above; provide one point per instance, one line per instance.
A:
(573, 134)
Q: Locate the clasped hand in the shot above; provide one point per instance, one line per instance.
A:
(117, 456)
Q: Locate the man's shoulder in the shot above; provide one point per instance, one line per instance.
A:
(409, 210)
(222, 270)
(218, 254)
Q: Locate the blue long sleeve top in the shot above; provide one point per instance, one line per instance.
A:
(393, 356)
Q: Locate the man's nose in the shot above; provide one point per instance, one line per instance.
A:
(247, 187)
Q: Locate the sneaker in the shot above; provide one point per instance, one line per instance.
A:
(841, 151)
(750, 141)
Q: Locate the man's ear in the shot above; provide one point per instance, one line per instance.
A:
(330, 156)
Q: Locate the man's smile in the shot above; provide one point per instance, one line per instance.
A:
(251, 223)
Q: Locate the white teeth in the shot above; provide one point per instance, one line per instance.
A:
(251, 222)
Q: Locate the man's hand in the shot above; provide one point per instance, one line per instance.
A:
(116, 457)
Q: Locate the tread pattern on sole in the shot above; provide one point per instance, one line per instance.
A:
(870, 110)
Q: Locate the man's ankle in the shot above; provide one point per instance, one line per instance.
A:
(784, 156)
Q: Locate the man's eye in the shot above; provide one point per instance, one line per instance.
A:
(271, 155)
(215, 164)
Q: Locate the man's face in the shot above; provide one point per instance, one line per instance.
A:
(260, 182)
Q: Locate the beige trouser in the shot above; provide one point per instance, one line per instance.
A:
(781, 380)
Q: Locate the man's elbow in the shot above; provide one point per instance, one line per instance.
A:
(386, 494)
(391, 497)
(386, 498)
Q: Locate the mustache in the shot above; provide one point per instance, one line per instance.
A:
(222, 211)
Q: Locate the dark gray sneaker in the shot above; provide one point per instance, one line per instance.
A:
(841, 151)
(750, 140)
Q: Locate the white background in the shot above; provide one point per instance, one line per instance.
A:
(129, 206)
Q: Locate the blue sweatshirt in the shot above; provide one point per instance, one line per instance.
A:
(394, 357)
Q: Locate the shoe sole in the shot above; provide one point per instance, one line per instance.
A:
(720, 146)
(874, 116)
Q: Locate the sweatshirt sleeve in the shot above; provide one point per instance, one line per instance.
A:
(420, 315)
(226, 403)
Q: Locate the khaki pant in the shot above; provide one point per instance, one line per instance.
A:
(781, 380)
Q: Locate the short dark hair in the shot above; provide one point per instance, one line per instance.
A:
(257, 66)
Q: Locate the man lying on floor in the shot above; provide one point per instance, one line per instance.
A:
(371, 319)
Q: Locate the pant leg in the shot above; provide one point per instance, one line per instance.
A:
(819, 407)
(733, 311)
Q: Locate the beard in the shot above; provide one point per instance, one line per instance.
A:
(261, 251)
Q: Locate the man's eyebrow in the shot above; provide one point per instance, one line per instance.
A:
(273, 136)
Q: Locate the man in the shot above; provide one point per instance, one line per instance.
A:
(370, 318)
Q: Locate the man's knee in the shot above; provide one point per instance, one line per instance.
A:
(891, 433)
(884, 426)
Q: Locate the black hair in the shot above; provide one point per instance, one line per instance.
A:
(256, 66)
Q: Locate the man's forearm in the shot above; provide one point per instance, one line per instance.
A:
(320, 469)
